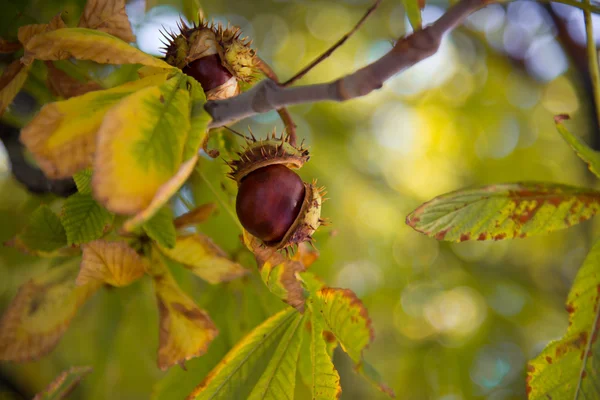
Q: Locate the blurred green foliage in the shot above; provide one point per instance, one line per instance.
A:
(452, 321)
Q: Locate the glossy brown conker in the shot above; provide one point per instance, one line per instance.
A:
(269, 200)
(208, 71)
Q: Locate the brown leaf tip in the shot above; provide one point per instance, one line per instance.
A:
(560, 118)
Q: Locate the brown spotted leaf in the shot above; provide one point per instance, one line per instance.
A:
(11, 81)
(195, 216)
(504, 211)
(114, 263)
(40, 313)
(64, 384)
(64, 85)
(185, 330)
(107, 16)
(568, 368)
(204, 258)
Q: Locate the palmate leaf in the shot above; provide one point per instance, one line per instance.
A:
(569, 368)
(587, 154)
(62, 136)
(87, 44)
(185, 330)
(199, 119)
(64, 384)
(84, 219)
(325, 382)
(279, 379)
(504, 211)
(204, 258)
(12, 80)
(140, 146)
(41, 312)
(107, 16)
(160, 228)
(236, 374)
(44, 233)
(114, 263)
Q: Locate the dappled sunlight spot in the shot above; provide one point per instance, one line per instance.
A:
(414, 250)
(361, 276)
(460, 88)
(326, 20)
(516, 40)
(496, 366)
(416, 296)
(507, 298)
(413, 328)
(148, 36)
(545, 58)
(290, 54)
(576, 27)
(522, 91)
(498, 140)
(560, 96)
(456, 312)
(527, 15)
(398, 127)
(471, 251)
(488, 19)
(271, 31)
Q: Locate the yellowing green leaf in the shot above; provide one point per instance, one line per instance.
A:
(567, 368)
(64, 85)
(195, 216)
(504, 211)
(191, 9)
(163, 195)
(279, 379)
(587, 154)
(346, 316)
(107, 16)
(12, 80)
(235, 375)
(185, 331)
(62, 136)
(87, 44)
(140, 146)
(160, 228)
(84, 219)
(64, 384)
(44, 232)
(413, 12)
(114, 263)
(325, 383)
(83, 181)
(204, 258)
(199, 119)
(40, 314)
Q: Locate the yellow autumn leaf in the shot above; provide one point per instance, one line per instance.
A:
(185, 330)
(62, 136)
(27, 32)
(40, 313)
(107, 16)
(12, 80)
(163, 195)
(87, 44)
(204, 258)
(140, 146)
(114, 263)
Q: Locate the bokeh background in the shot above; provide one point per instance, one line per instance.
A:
(452, 321)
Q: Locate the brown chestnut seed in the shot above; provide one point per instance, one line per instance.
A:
(268, 201)
(208, 71)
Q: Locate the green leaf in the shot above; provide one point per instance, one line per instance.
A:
(84, 219)
(346, 316)
(140, 146)
(413, 12)
(325, 383)
(191, 8)
(374, 378)
(199, 119)
(83, 180)
(234, 376)
(64, 384)
(44, 232)
(568, 368)
(587, 154)
(504, 211)
(161, 229)
(279, 379)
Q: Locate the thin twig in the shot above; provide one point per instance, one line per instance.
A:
(592, 54)
(333, 48)
(284, 114)
(269, 95)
